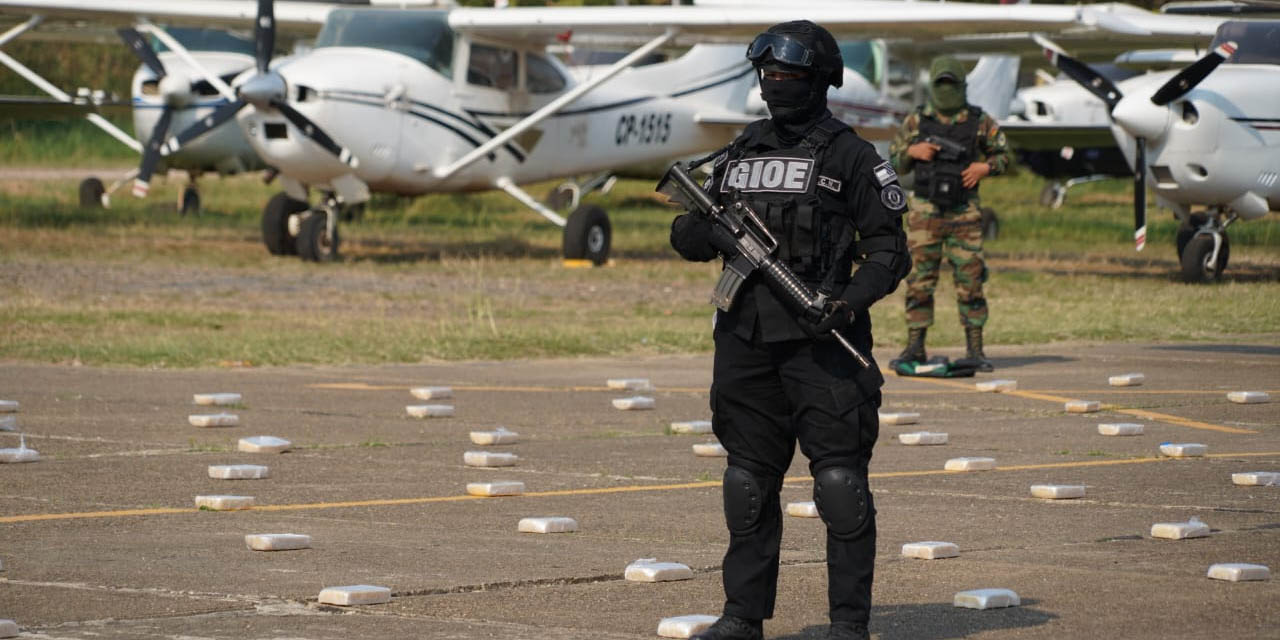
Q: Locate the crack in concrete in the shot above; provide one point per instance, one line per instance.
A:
(160, 591)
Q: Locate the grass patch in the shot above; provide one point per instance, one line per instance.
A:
(460, 277)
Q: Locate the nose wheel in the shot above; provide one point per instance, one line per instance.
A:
(1203, 247)
(318, 238)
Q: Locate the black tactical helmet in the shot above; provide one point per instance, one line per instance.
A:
(800, 43)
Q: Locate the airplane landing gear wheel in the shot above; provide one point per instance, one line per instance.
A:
(190, 202)
(276, 232)
(587, 235)
(990, 224)
(315, 241)
(1187, 230)
(1197, 265)
(91, 191)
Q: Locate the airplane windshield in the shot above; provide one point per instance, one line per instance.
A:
(1258, 42)
(861, 57)
(422, 35)
(205, 40)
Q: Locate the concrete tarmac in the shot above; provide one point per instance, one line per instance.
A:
(100, 538)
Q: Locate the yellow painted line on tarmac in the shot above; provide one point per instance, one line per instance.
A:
(1049, 397)
(361, 386)
(38, 517)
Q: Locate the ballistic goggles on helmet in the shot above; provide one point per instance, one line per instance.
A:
(781, 48)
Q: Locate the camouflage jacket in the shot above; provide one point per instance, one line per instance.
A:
(991, 140)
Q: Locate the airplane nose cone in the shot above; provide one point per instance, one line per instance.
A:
(262, 89)
(176, 90)
(1141, 118)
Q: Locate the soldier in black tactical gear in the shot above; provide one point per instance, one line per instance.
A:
(831, 201)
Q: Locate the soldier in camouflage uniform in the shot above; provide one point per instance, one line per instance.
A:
(951, 146)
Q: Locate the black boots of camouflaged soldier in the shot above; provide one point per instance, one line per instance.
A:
(915, 346)
(973, 351)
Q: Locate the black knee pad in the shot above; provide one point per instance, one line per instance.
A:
(842, 500)
(746, 498)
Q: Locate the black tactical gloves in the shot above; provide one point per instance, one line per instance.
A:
(697, 239)
(836, 315)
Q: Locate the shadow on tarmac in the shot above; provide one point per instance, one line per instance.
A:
(1250, 349)
(1024, 361)
(937, 621)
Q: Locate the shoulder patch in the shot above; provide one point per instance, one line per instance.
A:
(884, 173)
(829, 183)
(893, 198)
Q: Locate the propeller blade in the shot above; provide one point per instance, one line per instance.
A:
(319, 137)
(202, 126)
(151, 153)
(1189, 77)
(143, 50)
(1091, 80)
(1140, 195)
(264, 34)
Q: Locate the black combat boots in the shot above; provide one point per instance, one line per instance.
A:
(973, 345)
(847, 631)
(732, 628)
(915, 346)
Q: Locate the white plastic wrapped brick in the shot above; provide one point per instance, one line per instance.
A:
(1249, 397)
(1183, 449)
(8, 423)
(1179, 530)
(355, 595)
(9, 629)
(987, 599)
(997, 385)
(551, 524)
(1127, 380)
(8, 406)
(1083, 406)
(898, 418)
(224, 503)
(684, 626)
(495, 489)
(497, 436)
(214, 420)
(630, 384)
(634, 403)
(238, 471)
(1057, 491)
(922, 438)
(429, 410)
(650, 570)
(930, 550)
(20, 454)
(1239, 572)
(1256, 479)
(970, 464)
(489, 459)
(1120, 429)
(807, 509)
(691, 426)
(710, 450)
(432, 393)
(216, 399)
(277, 541)
(263, 444)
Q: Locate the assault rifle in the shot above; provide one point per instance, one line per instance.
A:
(755, 247)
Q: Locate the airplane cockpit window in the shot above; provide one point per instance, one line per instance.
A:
(205, 40)
(861, 56)
(493, 67)
(423, 35)
(543, 76)
(1257, 42)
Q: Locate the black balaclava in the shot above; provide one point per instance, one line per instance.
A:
(796, 105)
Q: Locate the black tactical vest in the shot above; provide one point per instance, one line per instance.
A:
(803, 207)
(939, 181)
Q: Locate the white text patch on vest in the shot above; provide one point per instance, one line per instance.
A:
(785, 175)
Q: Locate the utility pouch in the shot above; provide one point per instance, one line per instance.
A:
(946, 186)
(731, 278)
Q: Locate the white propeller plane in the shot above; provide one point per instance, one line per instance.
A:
(1207, 135)
(413, 102)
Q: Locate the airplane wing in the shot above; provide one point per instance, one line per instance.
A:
(1034, 136)
(291, 17)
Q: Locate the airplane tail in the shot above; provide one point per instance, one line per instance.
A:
(717, 74)
(992, 84)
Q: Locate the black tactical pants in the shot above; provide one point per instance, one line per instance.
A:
(764, 398)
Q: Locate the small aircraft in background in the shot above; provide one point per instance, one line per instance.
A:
(1207, 135)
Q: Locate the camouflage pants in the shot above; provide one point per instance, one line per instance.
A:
(957, 236)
